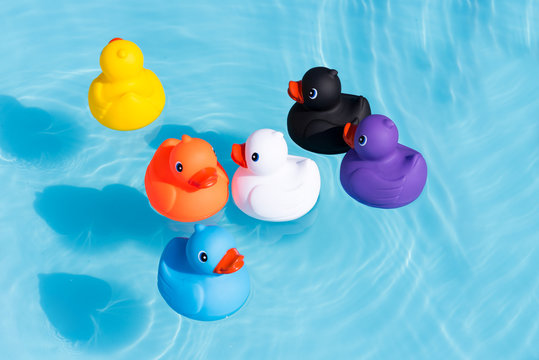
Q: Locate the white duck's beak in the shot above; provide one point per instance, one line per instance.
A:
(238, 154)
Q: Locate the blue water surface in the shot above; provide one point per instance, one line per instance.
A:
(454, 275)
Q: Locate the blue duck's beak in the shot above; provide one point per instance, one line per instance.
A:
(238, 154)
(231, 262)
(295, 91)
(349, 133)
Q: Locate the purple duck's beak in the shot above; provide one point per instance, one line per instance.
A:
(349, 133)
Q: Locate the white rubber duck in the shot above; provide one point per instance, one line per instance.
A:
(270, 184)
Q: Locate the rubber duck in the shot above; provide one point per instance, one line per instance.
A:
(203, 277)
(125, 96)
(316, 121)
(184, 181)
(270, 184)
(377, 170)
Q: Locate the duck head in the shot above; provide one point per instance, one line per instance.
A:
(375, 137)
(320, 89)
(194, 164)
(211, 250)
(121, 59)
(264, 152)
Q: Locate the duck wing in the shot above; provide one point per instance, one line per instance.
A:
(100, 106)
(271, 202)
(317, 126)
(325, 137)
(186, 297)
(274, 201)
(371, 188)
(165, 195)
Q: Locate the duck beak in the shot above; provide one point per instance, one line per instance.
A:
(115, 39)
(349, 133)
(204, 178)
(238, 154)
(231, 262)
(295, 91)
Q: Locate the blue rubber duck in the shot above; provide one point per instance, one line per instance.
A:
(203, 277)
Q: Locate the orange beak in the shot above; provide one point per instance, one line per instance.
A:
(238, 155)
(204, 178)
(231, 262)
(349, 133)
(115, 39)
(295, 91)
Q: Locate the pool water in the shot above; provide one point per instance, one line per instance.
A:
(454, 275)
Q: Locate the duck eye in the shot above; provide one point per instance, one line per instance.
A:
(362, 140)
(179, 167)
(255, 157)
(202, 256)
(313, 93)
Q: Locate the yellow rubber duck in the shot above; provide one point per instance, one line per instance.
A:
(125, 96)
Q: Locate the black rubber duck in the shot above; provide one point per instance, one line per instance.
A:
(316, 121)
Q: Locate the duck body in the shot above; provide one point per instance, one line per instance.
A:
(380, 172)
(202, 292)
(321, 131)
(196, 192)
(125, 96)
(316, 121)
(277, 186)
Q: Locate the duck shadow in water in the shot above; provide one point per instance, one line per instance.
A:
(221, 141)
(34, 135)
(100, 219)
(90, 313)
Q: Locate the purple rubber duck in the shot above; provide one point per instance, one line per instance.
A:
(378, 171)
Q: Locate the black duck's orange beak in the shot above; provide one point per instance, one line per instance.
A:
(295, 91)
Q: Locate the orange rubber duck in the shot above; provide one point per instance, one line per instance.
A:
(184, 181)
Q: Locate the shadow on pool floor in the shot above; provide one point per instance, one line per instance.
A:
(100, 219)
(90, 313)
(34, 135)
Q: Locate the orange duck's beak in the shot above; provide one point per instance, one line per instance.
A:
(204, 178)
(238, 155)
(115, 39)
(295, 91)
(349, 133)
(231, 262)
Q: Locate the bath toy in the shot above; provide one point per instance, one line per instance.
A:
(316, 121)
(378, 171)
(270, 184)
(203, 277)
(125, 96)
(184, 181)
